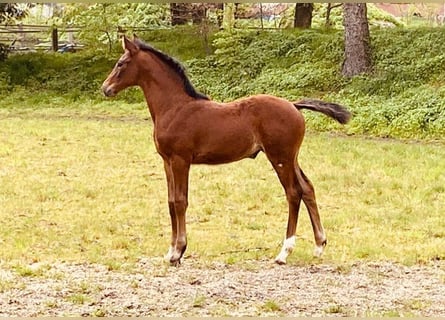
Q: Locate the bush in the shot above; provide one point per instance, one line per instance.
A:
(69, 74)
(402, 98)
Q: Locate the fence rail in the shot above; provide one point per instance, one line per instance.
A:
(28, 37)
(23, 37)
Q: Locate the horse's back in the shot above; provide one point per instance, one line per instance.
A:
(273, 115)
(267, 106)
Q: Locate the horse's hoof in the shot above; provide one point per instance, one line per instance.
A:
(175, 263)
(280, 261)
(175, 259)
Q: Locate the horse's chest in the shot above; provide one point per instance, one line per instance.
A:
(168, 144)
(162, 143)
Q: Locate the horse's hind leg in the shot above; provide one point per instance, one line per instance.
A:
(311, 205)
(288, 179)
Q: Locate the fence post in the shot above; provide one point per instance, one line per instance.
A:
(55, 40)
(21, 36)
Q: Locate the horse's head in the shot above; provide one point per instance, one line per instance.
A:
(125, 72)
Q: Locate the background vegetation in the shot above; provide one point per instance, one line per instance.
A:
(403, 97)
(80, 179)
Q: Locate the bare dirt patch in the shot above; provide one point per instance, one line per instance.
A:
(256, 288)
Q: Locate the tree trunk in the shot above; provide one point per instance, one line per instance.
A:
(236, 11)
(303, 15)
(199, 13)
(229, 16)
(357, 40)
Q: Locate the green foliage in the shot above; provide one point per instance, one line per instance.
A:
(416, 113)
(248, 62)
(402, 98)
(81, 75)
(100, 20)
(10, 12)
(71, 75)
(379, 17)
(182, 42)
(376, 16)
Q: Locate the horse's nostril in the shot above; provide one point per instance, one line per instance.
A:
(108, 92)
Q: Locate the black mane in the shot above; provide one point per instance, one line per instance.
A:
(176, 66)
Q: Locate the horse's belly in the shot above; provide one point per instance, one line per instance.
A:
(225, 152)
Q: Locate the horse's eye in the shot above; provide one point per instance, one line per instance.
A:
(120, 64)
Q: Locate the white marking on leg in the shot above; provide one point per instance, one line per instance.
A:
(169, 254)
(288, 247)
(318, 251)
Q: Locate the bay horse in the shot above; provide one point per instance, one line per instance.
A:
(189, 128)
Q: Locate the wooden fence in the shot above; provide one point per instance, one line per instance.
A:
(29, 37)
(37, 37)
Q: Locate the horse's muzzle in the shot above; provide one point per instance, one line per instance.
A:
(108, 91)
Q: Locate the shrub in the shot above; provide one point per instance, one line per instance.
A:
(402, 98)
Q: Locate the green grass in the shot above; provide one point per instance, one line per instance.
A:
(270, 306)
(85, 184)
(77, 298)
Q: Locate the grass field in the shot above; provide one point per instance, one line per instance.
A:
(85, 184)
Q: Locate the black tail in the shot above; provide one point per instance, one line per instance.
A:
(333, 110)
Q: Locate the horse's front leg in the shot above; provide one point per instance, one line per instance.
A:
(171, 209)
(180, 173)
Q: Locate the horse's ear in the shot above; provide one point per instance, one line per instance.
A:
(135, 37)
(130, 46)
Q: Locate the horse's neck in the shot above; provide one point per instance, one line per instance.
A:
(163, 95)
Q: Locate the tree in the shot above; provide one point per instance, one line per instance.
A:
(183, 13)
(357, 41)
(105, 21)
(10, 12)
(303, 15)
(199, 13)
(329, 8)
(229, 16)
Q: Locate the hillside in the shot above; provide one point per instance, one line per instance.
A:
(404, 97)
